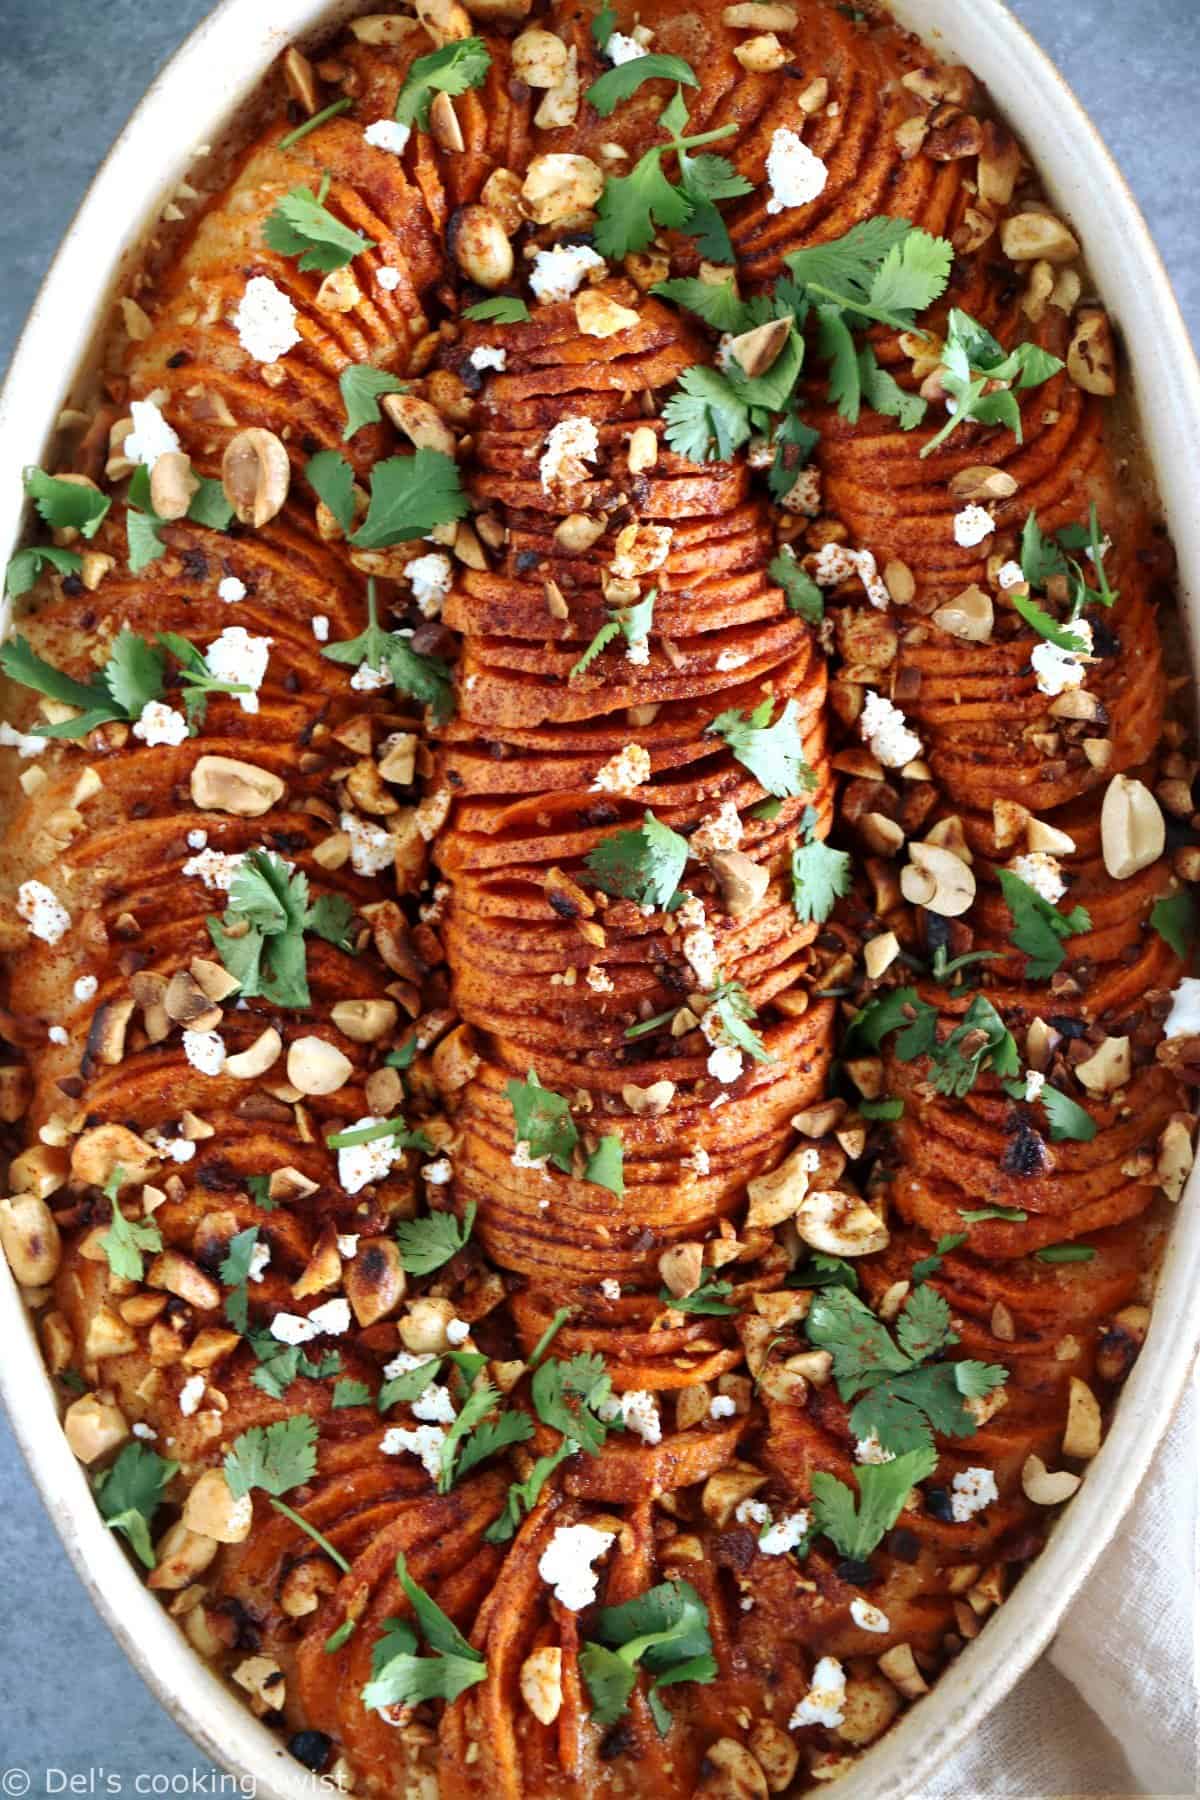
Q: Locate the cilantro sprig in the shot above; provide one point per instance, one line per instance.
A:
(774, 754)
(452, 69)
(664, 1631)
(302, 225)
(361, 387)
(410, 495)
(260, 940)
(623, 80)
(644, 864)
(1039, 929)
(482, 1428)
(275, 1459)
(568, 1394)
(399, 1676)
(979, 375)
(523, 1496)
(426, 1244)
(856, 1528)
(131, 1492)
(542, 1121)
(427, 678)
(630, 622)
(821, 876)
(735, 1010)
(66, 505)
(132, 676)
(633, 207)
(126, 1240)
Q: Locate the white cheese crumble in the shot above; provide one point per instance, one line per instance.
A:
(784, 1534)
(388, 134)
(372, 849)
(57, 1034)
(430, 577)
(1035, 1081)
(331, 1319)
(231, 590)
(23, 742)
(147, 1433)
(85, 987)
(566, 1563)
(1183, 1020)
(196, 840)
(388, 279)
(752, 1512)
(570, 444)
(722, 1406)
(260, 1256)
(488, 356)
(716, 832)
(629, 768)
(320, 628)
(610, 1287)
(366, 680)
(438, 1173)
(191, 1394)
(216, 868)
(826, 1697)
(884, 730)
(205, 1050)
(725, 1063)
(599, 979)
(698, 1162)
(870, 1450)
(424, 1442)
(347, 1245)
(868, 1617)
(973, 1490)
(457, 1332)
(700, 949)
(160, 724)
(45, 915)
(265, 321)
(972, 525)
(1057, 669)
(796, 174)
(559, 272)
(622, 49)
(639, 1409)
(360, 1164)
(1010, 574)
(151, 436)
(238, 657)
(1040, 871)
(834, 563)
(434, 1406)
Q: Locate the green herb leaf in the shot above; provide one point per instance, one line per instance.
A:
(542, 1120)
(803, 594)
(25, 567)
(624, 79)
(1039, 929)
(318, 118)
(848, 263)
(361, 387)
(523, 1496)
(735, 1010)
(976, 1215)
(971, 361)
(1067, 1119)
(269, 958)
(716, 302)
(884, 394)
(707, 1298)
(274, 1457)
(126, 1239)
(410, 495)
(774, 754)
(1065, 1253)
(66, 505)
(235, 1266)
(706, 419)
(491, 1437)
(961, 1058)
(664, 1631)
(882, 1490)
(302, 226)
(451, 70)
(603, 26)
(929, 1265)
(820, 876)
(332, 480)
(644, 864)
(130, 1493)
(567, 1395)
(1175, 918)
(503, 309)
(606, 1165)
(350, 1393)
(399, 1677)
(427, 678)
(426, 1244)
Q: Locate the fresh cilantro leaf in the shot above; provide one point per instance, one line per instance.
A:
(1041, 556)
(503, 309)
(269, 958)
(332, 480)
(301, 225)
(396, 1637)
(610, 1682)
(1065, 1253)
(774, 754)
(820, 876)
(886, 1108)
(794, 443)
(361, 387)
(882, 1491)
(824, 1271)
(1048, 627)
(717, 303)
(21, 663)
(427, 678)
(274, 1457)
(707, 1298)
(632, 207)
(803, 594)
(523, 1496)
(884, 394)
(630, 622)
(981, 1040)
(318, 118)
(478, 1404)
(451, 70)
(281, 1364)
(542, 1120)
(664, 1631)
(603, 26)
(130, 1493)
(735, 1010)
(860, 1344)
(606, 1165)
(409, 496)
(624, 79)
(126, 1239)
(972, 361)
(399, 1677)
(929, 1265)
(208, 506)
(403, 1389)
(1068, 1120)
(849, 262)
(258, 1187)
(607, 634)
(26, 565)
(705, 418)
(644, 864)
(1039, 929)
(236, 1263)
(977, 1214)
(901, 1009)
(197, 680)
(836, 346)
(492, 1436)
(66, 505)
(425, 1244)
(133, 674)
(923, 1326)
(567, 1395)
(1175, 918)
(350, 1393)
(911, 274)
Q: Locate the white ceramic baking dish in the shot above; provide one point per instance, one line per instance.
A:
(192, 103)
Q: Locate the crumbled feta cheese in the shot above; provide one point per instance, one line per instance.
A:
(160, 724)
(731, 659)
(238, 657)
(1183, 1020)
(434, 1406)
(725, 1063)
(629, 768)
(151, 436)
(205, 1050)
(558, 273)
(622, 49)
(610, 1288)
(804, 495)
(191, 1394)
(752, 1512)
(85, 987)
(45, 916)
(260, 1256)
(320, 628)
(23, 742)
(566, 1563)
(870, 1450)
(438, 1172)
(640, 550)
(885, 732)
(570, 444)
(331, 1318)
(430, 577)
(372, 849)
(147, 1433)
(57, 1034)
(826, 1697)
(972, 525)
(216, 868)
(598, 979)
(488, 356)
(722, 1406)
(388, 134)
(265, 321)
(230, 589)
(698, 1162)
(973, 1490)
(360, 1164)
(388, 279)
(1035, 1081)
(523, 1157)
(347, 1245)
(1040, 871)
(795, 173)
(196, 840)
(784, 1534)
(637, 652)
(1010, 574)
(1057, 669)
(291, 1328)
(716, 832)
(700, 949)
(179, 1150)
(366, 680)
(639, 1409)
(868, 1617)
(457, 1332)
(425, 1443)
(835, 563)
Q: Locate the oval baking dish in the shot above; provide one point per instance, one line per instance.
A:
(193, 102)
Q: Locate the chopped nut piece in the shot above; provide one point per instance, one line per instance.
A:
(94, 1426)
(211, 1510)
(731, 1772)
(681, 1269)
(364, 1021)
(1036, 236)
(742, 882)
(1108, 1068)
(257, 1058)
(541, 1683)
(900, 1666)
(222, 784)
(30, 1239)
(1082, 1435)
(374, 1280)
(316, 1066)
(937, 879)
(256, 475)
(649, 1102)
(840, 1224)
(759, 349)
(1132, 831)
(479, 244)
(1091, 357)
(1045, 1488)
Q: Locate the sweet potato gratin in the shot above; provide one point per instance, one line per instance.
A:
(596, 1021)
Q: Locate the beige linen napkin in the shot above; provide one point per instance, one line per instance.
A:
(1113, 1707)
